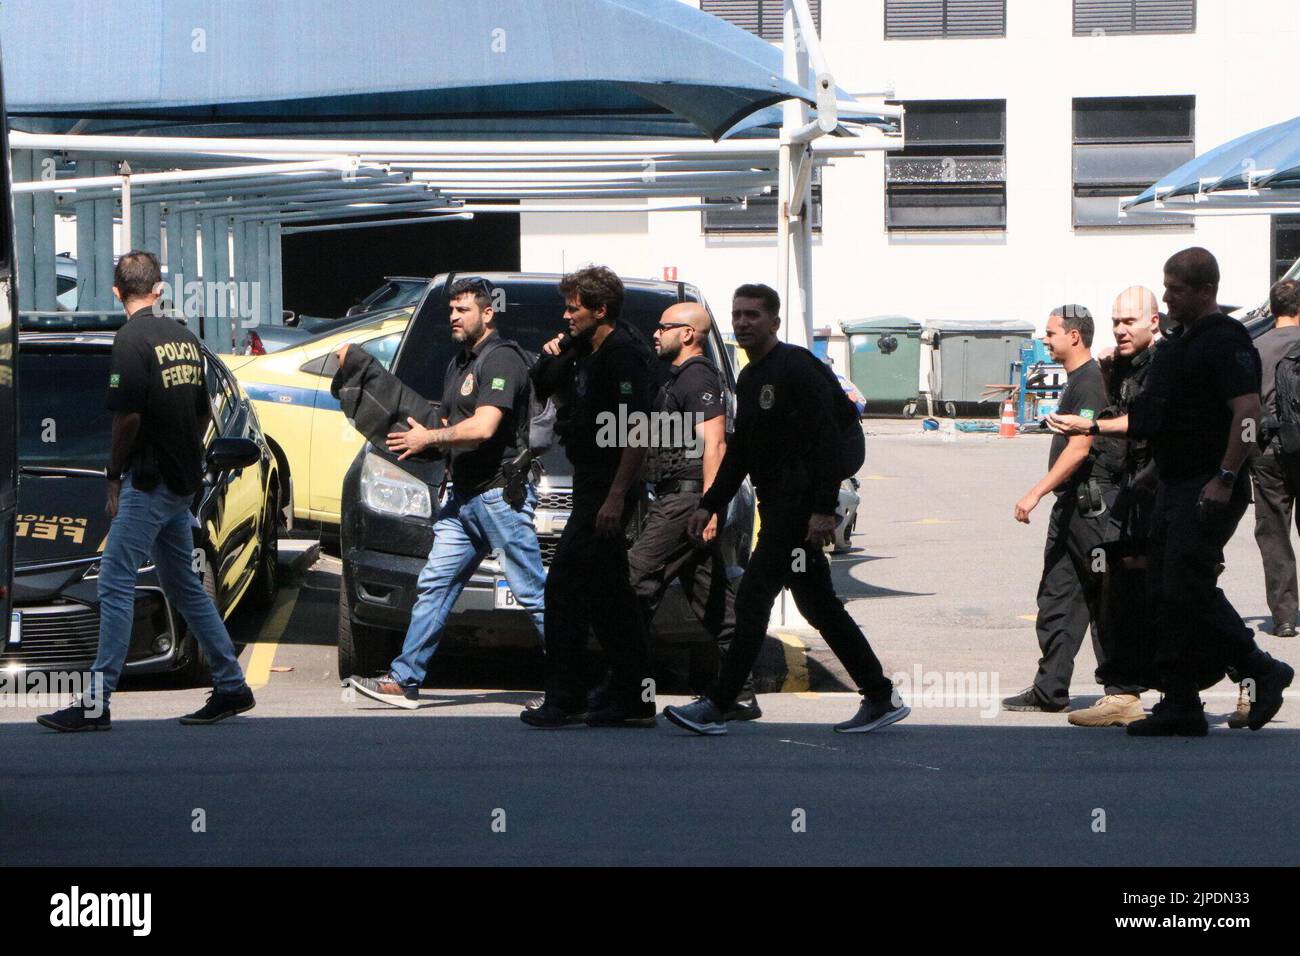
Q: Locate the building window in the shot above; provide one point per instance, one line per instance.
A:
(937, 19)
(759, 215)
(761, 17)
(1122, 146)
(953, 172)
(1286, 245)
(1106, 17)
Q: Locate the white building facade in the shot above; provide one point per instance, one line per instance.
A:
(1019, 147)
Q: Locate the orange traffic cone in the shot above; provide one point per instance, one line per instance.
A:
(1007, 428)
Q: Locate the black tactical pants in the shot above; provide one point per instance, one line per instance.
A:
(783, 558)
(663, 553)
(587, 589)
(1199, 635)
(1069, 596)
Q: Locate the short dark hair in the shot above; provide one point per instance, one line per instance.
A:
(763, 293)
(480, 289)
(137, 274)
(1195, 266)
(1077, 318)
(595, 286)
(1284, 298)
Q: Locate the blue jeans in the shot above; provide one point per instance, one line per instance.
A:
(467, 529)
(156, 524)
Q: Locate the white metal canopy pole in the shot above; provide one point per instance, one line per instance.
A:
(805, 66)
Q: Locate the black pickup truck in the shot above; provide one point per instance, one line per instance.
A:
(389, 507)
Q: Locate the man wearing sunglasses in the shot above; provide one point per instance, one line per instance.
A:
(691, 413)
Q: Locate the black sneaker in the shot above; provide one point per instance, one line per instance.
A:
(700, 716)
(535, 703)
(635, 714)
(1268, 694)
(1284, 630)
(549, 716)
(1029, 700)
(745, 708)
(872, 715)
(75, 718)
(221, 704)
(1168, 719)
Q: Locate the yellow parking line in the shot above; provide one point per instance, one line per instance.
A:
(796, 664)
(1028, 617)
(263, 657)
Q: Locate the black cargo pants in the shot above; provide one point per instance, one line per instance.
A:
(663, 553)
(588, 589)
(783, 558)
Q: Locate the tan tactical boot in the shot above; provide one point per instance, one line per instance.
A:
(1240, 717)
(1113, 710)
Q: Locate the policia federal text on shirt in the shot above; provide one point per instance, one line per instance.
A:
(160, 406)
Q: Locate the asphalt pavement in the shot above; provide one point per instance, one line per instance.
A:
(942, 579)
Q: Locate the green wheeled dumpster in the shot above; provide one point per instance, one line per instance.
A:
(967, 357)
(885, 361)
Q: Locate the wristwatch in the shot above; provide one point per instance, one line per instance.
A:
(112, 475)
(1227, 477)
(1094, 428)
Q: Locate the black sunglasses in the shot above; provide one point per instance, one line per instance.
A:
(669, 326)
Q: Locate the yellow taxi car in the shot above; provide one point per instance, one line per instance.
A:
(291, 391)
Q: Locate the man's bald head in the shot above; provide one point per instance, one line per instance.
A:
(1137, 301)
(683, 330)
(1135, 320)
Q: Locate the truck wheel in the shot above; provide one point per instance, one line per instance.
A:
(362, 650)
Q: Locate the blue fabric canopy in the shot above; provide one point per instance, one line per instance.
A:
(1269, 156)
(426, 68)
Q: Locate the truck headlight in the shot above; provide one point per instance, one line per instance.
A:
(391, 490)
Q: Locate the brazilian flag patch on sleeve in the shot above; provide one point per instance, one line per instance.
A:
(498, 384)
(114, 380)
(625, 388)
(1087, 413)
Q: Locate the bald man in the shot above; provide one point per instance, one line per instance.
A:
(690, 418)
(1135, 321)
(1203, 389)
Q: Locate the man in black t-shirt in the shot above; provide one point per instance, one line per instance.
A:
(1069, 589)
(599, 373)
(490, 506)
(1201, 411)
(689, 421)
(161, 412)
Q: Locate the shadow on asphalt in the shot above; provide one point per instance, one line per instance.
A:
(411, 789)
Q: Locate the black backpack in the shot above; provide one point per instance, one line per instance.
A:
(852, 442)
(1284, 425)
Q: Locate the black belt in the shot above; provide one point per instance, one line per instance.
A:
(675, 486)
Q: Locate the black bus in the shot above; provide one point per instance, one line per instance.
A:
(8, 365)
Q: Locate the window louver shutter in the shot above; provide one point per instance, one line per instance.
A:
(911, 19)
(1134, 16)
(760, 17)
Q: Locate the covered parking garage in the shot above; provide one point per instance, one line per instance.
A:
(244, 143)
